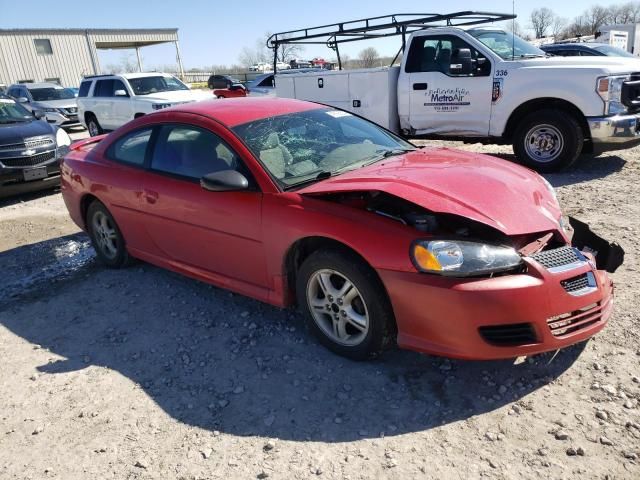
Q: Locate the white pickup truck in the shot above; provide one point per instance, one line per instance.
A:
(106, 102)
(482, 84)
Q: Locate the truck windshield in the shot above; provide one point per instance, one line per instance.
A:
(12, 112)
(610, 51)
(303, 147)
(155, 84)
(51, 93)
(506, 44)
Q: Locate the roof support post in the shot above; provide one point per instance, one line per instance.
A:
(338, 55)
(275, 59)
(139, 59)
(179, 58)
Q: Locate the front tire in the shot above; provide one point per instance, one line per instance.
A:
(548, 140)
(346, 305)
(106, 237)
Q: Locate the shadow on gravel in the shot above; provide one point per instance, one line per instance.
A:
(223, 362)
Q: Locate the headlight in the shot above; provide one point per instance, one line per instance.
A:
(62, 138)
(610, 90)
(50, 110)
(160, 106)
(460, 258)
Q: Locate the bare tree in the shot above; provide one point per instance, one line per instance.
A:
(250, 56)
(541, 19)
(595, 17)
(126, 64)
(514, 27)
(287, 51)
(368, 57)
(558, 28)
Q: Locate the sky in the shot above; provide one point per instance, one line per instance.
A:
(215, 32)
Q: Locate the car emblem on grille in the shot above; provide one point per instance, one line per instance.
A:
(28, 153)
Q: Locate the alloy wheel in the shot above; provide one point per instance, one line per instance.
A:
(337, 307)
(105, 235)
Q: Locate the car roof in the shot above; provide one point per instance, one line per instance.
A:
(590, 45)
(143, 74)
(29, 86)
(237, 111)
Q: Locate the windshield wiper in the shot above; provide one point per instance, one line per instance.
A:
(320, 176)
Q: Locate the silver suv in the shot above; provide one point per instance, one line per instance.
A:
(57, 103)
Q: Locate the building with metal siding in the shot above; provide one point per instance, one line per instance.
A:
(66, 55)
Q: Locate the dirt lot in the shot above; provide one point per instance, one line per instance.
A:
(145, 374)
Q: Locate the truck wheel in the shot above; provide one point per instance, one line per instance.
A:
(548, 140)
(93, 126)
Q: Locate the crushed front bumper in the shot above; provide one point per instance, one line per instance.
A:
(543, 309)
(614, 132)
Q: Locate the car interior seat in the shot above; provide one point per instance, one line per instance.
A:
(275, 156)
(428, 60)
(444, 60)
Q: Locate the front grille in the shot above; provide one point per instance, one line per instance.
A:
(509, 335)
(557, 257)
(630, 93)
(33, 142)
(29, 161)
(576, 283)
(570, 322)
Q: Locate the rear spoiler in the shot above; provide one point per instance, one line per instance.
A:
(87, 141)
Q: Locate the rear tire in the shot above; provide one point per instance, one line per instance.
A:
(346, 305)
(548, 140)
(93, 126)
(106, 237)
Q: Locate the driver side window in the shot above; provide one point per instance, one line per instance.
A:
(446, 54)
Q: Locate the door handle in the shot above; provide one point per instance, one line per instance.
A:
(419, 86)
(150, 196)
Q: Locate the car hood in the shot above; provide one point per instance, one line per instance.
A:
(11, 133)
(505, 196)
(69, 103)
(177, 96)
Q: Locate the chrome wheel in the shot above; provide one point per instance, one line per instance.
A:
(105, 235)
(544, 143)
(337, 307)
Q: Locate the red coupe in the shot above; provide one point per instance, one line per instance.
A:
(377, 241)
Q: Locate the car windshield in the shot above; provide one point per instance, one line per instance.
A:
(507, 45)
(12, 112)
(613, 51)
(299, 148)
(155, 84)
(46, 94)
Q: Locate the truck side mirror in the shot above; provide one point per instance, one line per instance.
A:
(461, 63)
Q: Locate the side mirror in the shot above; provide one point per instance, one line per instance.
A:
(120, 93)
(22, 100)
(224, 181)
(39, 114)
(461, 63)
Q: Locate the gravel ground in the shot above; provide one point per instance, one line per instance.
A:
(142, 373)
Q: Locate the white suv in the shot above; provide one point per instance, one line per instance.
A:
(106, 102)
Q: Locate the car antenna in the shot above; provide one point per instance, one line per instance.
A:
(513, 30)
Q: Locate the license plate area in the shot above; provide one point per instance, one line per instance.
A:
(34, 174)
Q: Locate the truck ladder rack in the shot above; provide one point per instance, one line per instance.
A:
(334, 34)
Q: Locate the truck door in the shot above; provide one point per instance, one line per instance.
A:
(449, 85)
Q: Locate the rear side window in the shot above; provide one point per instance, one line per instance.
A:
(191, 152)
(131, 148)
(84, 88)
(104, 88)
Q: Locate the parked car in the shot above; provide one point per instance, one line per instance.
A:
(74, 90)
(234, 91)
(585, 49)
(57, 103)
(106, 102)
(376, 240)
(29, 149)
(221, 81)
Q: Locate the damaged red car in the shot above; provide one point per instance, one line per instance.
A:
(377, 241)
